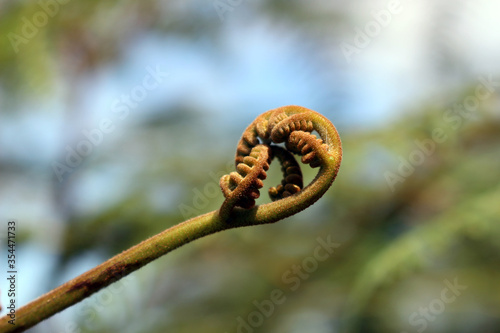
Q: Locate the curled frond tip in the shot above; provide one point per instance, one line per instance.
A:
(293, 126)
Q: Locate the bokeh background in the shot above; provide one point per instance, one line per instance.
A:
(147, 100)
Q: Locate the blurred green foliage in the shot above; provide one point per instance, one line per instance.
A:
(398, 240)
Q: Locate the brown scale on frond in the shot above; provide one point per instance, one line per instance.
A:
(293, 123)
(250, 138)
(262, 129)
(277, 117)
(241, 188)
(307, 145)
(292, 175)
(248, 141)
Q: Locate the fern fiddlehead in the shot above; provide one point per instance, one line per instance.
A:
(292, 125)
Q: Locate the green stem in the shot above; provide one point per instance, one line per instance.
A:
(112, 270)
(138, 256)
(143, 253)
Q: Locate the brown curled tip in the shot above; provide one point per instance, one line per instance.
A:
(293, 126)
(241, 188)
